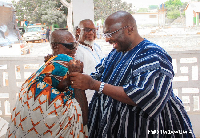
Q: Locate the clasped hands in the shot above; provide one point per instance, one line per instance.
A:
(77, 78)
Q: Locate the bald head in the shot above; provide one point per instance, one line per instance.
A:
(121, 18)
(83, 22)
(61, 43)
(61, 36)
(120, 30)
(87, 32)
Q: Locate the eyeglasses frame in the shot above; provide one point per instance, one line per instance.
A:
(109, 35)
(91, 29)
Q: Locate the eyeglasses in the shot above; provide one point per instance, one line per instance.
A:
(69, 46)
(109, 35)
(89, 29)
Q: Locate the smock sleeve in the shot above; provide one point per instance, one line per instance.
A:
(151, 83)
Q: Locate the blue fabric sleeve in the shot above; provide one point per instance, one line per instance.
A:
(151, 83)
(99, 70)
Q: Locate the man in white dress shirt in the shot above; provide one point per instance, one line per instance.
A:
(88, 51)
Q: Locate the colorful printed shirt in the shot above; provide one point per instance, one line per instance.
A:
(44, 111)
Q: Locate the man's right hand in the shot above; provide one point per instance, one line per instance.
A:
(82, 81)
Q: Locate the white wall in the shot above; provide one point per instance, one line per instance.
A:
(143, 19)
(189, 16)
(82, 9)
(7, 51)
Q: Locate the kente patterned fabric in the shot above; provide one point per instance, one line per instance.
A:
(146, 74)
(42, 111)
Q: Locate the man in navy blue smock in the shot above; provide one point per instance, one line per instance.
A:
(134, 96)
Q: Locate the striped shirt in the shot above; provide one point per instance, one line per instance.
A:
(146, 74)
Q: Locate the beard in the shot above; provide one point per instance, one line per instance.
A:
(90, 43)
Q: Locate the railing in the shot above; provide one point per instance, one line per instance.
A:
(15, 70)
(186, 82)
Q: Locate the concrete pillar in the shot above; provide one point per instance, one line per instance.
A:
(82, 9)
(197, 19)
(161, 13)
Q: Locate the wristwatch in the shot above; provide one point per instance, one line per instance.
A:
(101, 88)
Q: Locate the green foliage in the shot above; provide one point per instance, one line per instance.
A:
(56, 26)
(103, 8)
(41, 11)
(152, 7)
(173, 14)
(173, 4)
(143, 10)
(175, 8)
(183, 14)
